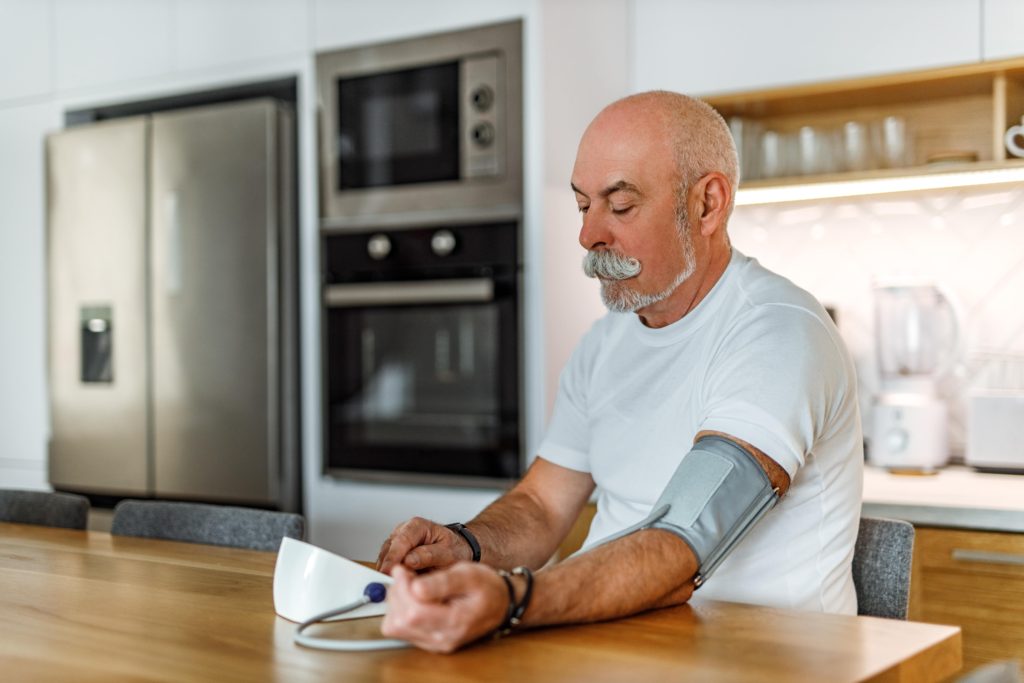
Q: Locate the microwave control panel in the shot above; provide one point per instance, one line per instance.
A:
(481, 91)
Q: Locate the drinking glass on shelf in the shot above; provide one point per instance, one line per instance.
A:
(819, 150)
(892, 142)
(857, 152)
(746, 133)
(772, 164)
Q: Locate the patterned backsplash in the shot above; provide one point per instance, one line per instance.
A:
(970, 242)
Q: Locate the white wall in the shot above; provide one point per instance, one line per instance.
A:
(25, 112)
(586, 66)
(969, 241)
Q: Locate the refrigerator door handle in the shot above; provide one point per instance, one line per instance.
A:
(172, 280)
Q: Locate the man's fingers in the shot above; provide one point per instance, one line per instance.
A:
(428, 557)
(383, 552)
(402, 577)
(404, 538)
(392, 557)
(441, 586)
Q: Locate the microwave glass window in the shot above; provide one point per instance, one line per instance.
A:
(401, 126)
(398, 127)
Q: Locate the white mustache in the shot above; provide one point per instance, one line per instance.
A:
(610, 265)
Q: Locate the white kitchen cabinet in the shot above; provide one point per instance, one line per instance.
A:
(1002, 28)
(23, 401)
(341, 24)
(209, 34)
(25, 42)
(111, 41)
(707, 46)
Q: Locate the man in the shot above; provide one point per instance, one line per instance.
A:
(701, 342)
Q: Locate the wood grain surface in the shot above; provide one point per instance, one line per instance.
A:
(974, 580)
(87, 606)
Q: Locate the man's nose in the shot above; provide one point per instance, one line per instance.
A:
(594, 232)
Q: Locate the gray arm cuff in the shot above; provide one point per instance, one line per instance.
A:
(715, 497)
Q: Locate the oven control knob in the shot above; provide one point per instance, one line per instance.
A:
(378, 247)
(482, 98)
(442, 242)
(483, 134)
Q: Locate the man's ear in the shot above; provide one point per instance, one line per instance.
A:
(714, 194)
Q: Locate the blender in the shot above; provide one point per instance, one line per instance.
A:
(917, 337)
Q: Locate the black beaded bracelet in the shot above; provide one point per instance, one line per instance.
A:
(504, 628)
(461, 530)
(514, 615)
(517, 615)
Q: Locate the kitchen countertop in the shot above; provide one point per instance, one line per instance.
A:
(956, 497)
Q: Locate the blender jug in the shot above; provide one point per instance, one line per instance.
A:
(917, 338)
(916, 331)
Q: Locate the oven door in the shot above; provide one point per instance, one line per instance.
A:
(423, 379)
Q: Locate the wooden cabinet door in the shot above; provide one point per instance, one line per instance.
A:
(974, 580)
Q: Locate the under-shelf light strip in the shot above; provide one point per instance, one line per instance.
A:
(870, 186)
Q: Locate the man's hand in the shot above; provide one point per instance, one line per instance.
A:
(421, 544)
(443, 610)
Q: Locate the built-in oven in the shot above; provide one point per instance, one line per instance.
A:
(422, 346)
(427, 124)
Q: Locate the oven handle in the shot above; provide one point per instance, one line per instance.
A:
(464, 290)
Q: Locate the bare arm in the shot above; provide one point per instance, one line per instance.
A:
(443, 610)
(652, 568)
(523, 527)
(648, 569)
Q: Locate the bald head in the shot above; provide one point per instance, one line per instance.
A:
(698, 134)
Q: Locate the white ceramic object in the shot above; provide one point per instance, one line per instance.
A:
(1013, 134)
(309, 580)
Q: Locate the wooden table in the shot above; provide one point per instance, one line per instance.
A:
(87, 606)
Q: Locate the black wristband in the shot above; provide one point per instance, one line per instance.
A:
(461, 530)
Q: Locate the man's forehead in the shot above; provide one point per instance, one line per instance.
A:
(613, 151)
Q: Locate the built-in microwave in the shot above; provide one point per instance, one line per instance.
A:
(427, 124)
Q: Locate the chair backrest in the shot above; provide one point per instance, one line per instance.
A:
(881, 567)
(223, 525)
(64, 510)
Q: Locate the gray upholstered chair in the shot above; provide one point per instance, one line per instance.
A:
(881, 567)
(235, 527)
(64, 510)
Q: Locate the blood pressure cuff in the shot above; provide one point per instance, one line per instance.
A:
(715, 497)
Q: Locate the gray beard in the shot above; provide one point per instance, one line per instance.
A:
(616, 294)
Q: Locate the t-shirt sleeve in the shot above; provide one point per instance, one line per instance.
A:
(567, 442)
(774, 382)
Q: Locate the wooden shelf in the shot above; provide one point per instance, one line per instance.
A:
(964, 109)
(884, 173)
(878, 182)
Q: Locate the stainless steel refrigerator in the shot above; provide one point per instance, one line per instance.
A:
(172, 306)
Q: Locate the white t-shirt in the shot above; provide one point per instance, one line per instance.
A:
(758, 359)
